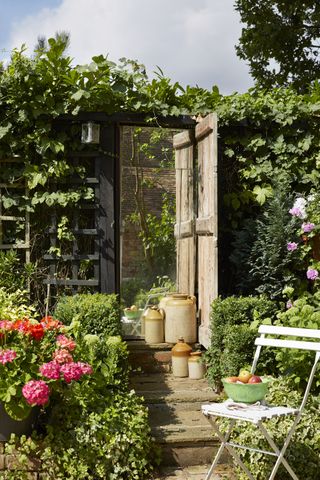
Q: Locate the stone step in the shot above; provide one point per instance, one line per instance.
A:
(177, 414)
(146, 358)
(164, 388)
(141, 345)
(196, 472)
(174, 404)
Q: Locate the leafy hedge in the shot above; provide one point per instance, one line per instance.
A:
(262, 135)
(97, 313)
(232, 338)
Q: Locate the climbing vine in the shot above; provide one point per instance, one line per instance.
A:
(262, 135)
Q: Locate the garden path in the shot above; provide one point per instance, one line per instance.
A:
(181, 431)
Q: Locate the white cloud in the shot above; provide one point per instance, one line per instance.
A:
(191, 40)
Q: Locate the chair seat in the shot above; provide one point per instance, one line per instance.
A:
(247, 412)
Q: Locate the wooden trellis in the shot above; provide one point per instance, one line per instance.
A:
(7, 216)
(79, 232)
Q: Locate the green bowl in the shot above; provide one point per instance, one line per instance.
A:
(133, 314)
(246, 392)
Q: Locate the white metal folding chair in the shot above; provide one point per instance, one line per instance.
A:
(256, 415)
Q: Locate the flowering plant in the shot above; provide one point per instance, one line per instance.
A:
(36, 359)
(308, 239)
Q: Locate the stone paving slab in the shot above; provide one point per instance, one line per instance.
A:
(224, 472)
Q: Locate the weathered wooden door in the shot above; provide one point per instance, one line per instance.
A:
(196, 227)
(183, 144)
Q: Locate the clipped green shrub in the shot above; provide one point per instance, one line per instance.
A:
(234, 323)
(303, 453)
(97, 313)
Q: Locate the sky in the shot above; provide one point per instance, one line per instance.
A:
(192, 41)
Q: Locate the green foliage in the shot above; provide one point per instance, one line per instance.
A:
(129, 289)
(159, 288)
(14, 275)
(263, 136)
(14, 305)
(159, 237)
(305, 313)
(232, 337)
(97, 313)
(279, 41)
(98, 432)
(303, 453)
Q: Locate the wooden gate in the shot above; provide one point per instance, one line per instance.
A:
(196, 227)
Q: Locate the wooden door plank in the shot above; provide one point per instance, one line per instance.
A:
(184, 229)
(207, 222)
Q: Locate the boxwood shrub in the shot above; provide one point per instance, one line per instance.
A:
(234, 323)
(97, 313)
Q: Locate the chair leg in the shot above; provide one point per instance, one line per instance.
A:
(280, 453)
(231, 450)
(221, 448)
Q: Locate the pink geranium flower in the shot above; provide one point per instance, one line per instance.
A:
(62, 356)
(71, 371)
(7, 356)
(50, 370)
(66, 342)
(36, 392)
(85, 367)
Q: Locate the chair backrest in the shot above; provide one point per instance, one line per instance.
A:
(277, 342)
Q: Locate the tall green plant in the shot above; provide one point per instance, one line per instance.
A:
(261, 256)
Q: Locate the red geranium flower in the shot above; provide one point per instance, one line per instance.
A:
(36, 331)
(49, 323)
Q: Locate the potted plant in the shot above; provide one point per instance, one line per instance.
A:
(37, 358)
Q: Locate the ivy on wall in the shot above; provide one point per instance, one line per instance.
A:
(264, 133)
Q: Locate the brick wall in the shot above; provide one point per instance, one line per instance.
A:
(131, 246)
(9, 462)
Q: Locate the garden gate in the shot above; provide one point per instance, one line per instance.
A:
(196, 228)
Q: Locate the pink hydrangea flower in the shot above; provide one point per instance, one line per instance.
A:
(307, 227)
(50, 370)
(312, 274)
(291, 246)
(36, 392)
(7, 356)
(66, 342)
(71, 371)
(62, 356)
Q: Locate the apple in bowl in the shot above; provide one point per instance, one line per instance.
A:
(251, 391)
